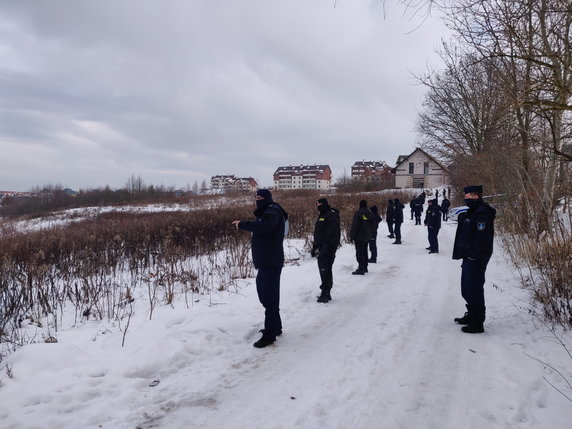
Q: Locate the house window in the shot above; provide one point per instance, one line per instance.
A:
(425, 168)
(411, 167)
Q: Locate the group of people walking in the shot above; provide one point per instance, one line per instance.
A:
(473, 244)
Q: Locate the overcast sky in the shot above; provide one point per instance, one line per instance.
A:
(175, 91)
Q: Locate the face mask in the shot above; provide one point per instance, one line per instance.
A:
(260, 204)
(471, 202)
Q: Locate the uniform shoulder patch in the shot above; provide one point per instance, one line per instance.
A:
(481, 226)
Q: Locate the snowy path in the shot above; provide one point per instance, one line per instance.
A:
(384, 353)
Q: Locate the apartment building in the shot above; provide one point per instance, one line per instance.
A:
(231, 182)
(303, 177)
(368, 170)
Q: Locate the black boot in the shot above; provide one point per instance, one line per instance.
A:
(264, 341)
(325, 297)
(473, 329)
(359, 272)
(372, 261)
(262, 331)
(391, 236)
(397, 242)
(465, 320)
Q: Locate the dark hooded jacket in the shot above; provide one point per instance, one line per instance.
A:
(475, 233)
(267, 234)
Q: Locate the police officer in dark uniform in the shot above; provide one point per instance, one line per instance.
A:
(360, 233)
(389, 218)
(433, 224)
(397, 219)
(474, 245)
(268, 258)
(417, 210)
(373, 240)
(326, 242)
(445, 204)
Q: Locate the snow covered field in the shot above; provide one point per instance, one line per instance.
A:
(384, 353)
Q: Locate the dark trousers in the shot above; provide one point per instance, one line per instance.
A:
(446, 215)
(411, 214)
(417, 218)
(472, 288)
(325, 264)
(268, 288)
(373, 248)
(432, 234)
(398, 231)
(361, 254)
(390, 227)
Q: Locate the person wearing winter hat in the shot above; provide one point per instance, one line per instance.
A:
(373, 240)
(389, 218)
(433, 224)
(474, 245)
(268, 258)
(397, 219)
(326, 242)
(360, 233)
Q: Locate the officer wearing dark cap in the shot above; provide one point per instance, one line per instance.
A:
(326, 242)
(474, 245)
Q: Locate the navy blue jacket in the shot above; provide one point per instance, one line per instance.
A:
(267, 236)
(475, 233)
(417, 207)
(433, 216)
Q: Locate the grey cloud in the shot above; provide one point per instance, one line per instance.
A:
(178, 91)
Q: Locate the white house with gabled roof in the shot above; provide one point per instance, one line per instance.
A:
(419, 170)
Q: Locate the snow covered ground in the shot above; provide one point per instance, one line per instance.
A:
(384, 353)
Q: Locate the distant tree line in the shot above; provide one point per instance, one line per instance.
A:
(53, 197)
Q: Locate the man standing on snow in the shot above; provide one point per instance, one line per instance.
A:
(389, 218)
(474, 245)
(398, 219)
(373, 240)
(268, 258)
(326, 242)
(433, 224)
(445, 204)
(417, 210)
(360, 233)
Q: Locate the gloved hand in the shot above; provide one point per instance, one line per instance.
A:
(314, 251)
